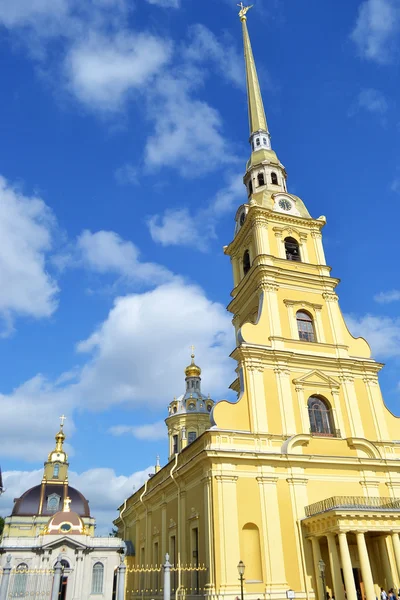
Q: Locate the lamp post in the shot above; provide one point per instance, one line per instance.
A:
(321, 566)
(241, 567)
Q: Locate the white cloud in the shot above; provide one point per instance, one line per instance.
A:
(204, 45)
(102, 70)
(373, 101)
(106, 252)
(180, 228)
(127, 175)
(104, 489)
(139, 353)
(187, 131)
(151, 432)
(27, 12)
(387, 297)
(29, 415)
(104, 65)
(375, 30)
(382, 333)
(26, 226)
(177, 228)
(395, 185)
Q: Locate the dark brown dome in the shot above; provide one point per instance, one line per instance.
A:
(28, 504)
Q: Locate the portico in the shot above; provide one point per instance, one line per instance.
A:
(358, 539)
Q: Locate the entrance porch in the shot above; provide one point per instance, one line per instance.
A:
(358, 540)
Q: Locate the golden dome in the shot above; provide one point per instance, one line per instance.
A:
(192, 370)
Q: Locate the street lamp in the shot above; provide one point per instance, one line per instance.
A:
(241, 567)
(321, 566)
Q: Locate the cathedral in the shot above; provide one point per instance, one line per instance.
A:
(298, 481)
(51, 523)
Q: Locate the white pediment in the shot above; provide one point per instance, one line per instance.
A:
(317, 379)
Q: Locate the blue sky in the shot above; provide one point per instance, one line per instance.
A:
(123, 144)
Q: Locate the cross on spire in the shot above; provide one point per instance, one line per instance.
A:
(192, 349)
(62, 419)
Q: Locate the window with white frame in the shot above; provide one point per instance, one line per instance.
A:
(97, 578)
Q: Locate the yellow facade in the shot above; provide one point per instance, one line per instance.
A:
(306, 464)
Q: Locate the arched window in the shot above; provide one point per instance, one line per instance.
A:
(258, 142)
(65, 564)
(292, 249)
(260, 178)
(242, 218)
(20, 581)
(97, 578)
(56, 470)
(274, 178)
(320, 416)
(246, 262)
(250, 187)
(305, 326)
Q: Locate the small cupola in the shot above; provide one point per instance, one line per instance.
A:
(189, 414)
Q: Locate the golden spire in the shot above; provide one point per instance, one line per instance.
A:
(60, 437)
(192, 370)
(257, 119)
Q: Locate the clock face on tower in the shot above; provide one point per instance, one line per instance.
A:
(285, 204)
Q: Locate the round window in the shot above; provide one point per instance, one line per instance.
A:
(66, 527)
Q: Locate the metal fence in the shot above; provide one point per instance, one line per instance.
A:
(353, 503)
(147, 582)
(45, 584)
(32, 583)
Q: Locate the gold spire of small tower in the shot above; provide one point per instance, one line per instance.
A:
(257, 118)
(192, 370)
(56, 466)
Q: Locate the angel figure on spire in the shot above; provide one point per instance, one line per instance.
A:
(244, 9)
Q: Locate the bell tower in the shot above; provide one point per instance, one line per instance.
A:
(188, 415)
(300, 371)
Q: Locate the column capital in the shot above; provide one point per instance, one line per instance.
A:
(267, 479)
(227, 478)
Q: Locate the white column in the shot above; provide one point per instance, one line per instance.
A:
(388, 567)
(347, 567)
(261, 241)
(351, 400)
(280, 244)
(229, 532)
(319, 325)
(5, 580)
(396, 549)
(335, 317)
(292, 320)
(256, 395)
(167, 578)
(319, 249)
(316, 550)
(121, 581)
(271, 297)
(335, 567)
(337, 411)
(305, 421)
(285, 400)
(272, 536)
(365, 566)
(377, 406)
(303, 248)
(209, 532)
